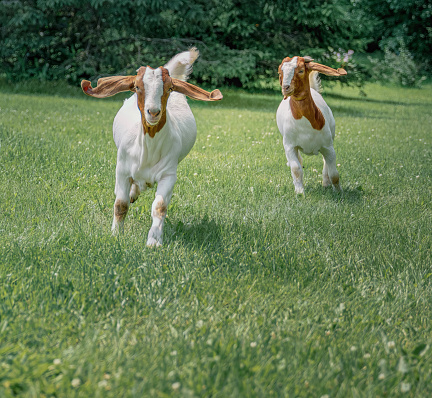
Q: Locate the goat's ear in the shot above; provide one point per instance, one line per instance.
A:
(326, 70)
(195, 92)
(108, 86)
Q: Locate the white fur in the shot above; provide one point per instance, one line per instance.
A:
(154, 160)
(288, 69)
(299, 135)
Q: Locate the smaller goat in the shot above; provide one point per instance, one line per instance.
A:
(153, 131)
(305, 120)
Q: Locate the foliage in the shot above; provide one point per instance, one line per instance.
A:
(409, 20)
(398, 67)
(240, 42)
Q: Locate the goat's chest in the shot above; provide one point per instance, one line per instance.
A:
(301, 135)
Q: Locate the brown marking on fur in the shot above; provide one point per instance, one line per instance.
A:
(136, 189)
(160, 209)
(108, 86)
(297, 173)
(335, 180)
(120, 210)
(301, 102)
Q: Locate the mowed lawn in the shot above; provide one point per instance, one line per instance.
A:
(255, 293)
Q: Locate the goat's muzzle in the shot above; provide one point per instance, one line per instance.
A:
(287, 91)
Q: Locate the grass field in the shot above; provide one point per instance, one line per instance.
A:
(255, 293)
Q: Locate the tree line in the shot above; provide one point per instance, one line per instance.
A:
(241, 42)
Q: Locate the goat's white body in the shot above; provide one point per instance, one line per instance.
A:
(147, 159)
(143, 160)
(300, 133)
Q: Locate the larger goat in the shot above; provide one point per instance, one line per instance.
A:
(153, 131)
(305, 120)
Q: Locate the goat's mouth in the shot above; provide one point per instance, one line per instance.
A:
(287, 92)
(152, 121)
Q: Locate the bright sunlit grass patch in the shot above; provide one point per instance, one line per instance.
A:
(255, 292)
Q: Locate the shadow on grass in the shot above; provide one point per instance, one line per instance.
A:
(349, 195)
(203, 233)
(366, 99)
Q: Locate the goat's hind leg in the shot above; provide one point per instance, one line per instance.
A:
(329, 156)
(121, 204)
(134, 191)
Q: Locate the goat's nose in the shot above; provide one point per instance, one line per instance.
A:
(153, 112)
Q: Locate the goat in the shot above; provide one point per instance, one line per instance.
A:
(153, 131)
(305, 120)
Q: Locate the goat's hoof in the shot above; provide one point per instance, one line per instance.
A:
(152, 242)
(337, 188)
(300, 191)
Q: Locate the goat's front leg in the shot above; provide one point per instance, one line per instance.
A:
(159, 209)
(121, 204)
(329, 156)
(296, 168)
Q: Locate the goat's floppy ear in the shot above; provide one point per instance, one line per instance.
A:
(195, 92)
(326, 70)
(108, 86)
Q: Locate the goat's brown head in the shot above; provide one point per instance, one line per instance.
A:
(294, 75)
(153, 87)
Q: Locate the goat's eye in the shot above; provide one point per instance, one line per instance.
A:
(301, 71)
(137, 88)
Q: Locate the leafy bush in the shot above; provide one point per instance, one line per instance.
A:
(398, 67)
(240, 42)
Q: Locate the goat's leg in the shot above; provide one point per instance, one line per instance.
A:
(134, 191)
(329, 155)
(159, 209)
(296, 168)
(121, 204)
(326, 179)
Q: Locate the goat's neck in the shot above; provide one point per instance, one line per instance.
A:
(152, 130)
(302, 104)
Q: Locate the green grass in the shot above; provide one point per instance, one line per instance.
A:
(255, 293)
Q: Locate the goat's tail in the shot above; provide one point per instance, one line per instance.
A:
(180, 66)
(315, 81)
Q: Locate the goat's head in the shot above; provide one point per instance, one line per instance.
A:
(294, 75)
(153, 87)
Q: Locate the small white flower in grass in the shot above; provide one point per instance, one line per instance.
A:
(103, 383)
(209, 136)
(254, 253)
(75, 383)
(176, 385)
(199, 324)
(253, 344)
(315, 170)
(417, 176)
(195, 174)
(367, 159)
(380, 175)
(198, 196)
(325, 396)
(338, 165)
(173, 353)
(391, 344)
(57, 361)
(381, 376)
(366, 356)
(405, 387)
(353, 348)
